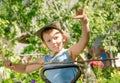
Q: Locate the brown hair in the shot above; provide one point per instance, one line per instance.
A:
(53, 25)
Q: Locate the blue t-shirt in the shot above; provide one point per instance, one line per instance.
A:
(64, 75)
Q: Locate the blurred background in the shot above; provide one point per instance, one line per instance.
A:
(20, 19)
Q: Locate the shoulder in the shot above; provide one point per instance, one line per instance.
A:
(65, 55)
(47, 58)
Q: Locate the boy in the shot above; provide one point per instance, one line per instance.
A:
(55, 40)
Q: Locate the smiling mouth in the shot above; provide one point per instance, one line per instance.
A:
(55, 46)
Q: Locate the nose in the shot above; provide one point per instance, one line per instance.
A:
(53, 41)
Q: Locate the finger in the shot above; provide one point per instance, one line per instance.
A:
(78, 17)
(77, 11)
(83, 10)
(12, 67)
(6, 63)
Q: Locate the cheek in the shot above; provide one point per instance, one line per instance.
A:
(60, 40)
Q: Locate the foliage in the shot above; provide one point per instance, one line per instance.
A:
(27, 16)
(109, 75)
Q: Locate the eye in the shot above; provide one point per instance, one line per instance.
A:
(48, 40)
(56, 37)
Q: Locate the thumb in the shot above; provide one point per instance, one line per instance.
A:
(13, 67)
(78, 17)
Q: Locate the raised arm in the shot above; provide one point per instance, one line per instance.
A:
(79, 46)
(24, 68)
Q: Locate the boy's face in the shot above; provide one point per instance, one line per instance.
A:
(54, 40)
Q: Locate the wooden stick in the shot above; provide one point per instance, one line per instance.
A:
(96, 60)
(80, 61)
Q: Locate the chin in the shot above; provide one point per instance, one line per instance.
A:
(57, 50)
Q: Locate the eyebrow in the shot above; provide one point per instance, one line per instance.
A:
(57, 33)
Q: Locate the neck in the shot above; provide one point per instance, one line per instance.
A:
(55, 53)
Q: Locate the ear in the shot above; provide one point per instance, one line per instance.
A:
(64, 37)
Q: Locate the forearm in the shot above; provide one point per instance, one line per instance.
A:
(25, 68)
(85, 35)
(85, 30)
(33, 66)
(21, 68)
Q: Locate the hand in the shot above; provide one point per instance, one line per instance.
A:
(7, 63)
(97, 64)
(80, 14)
